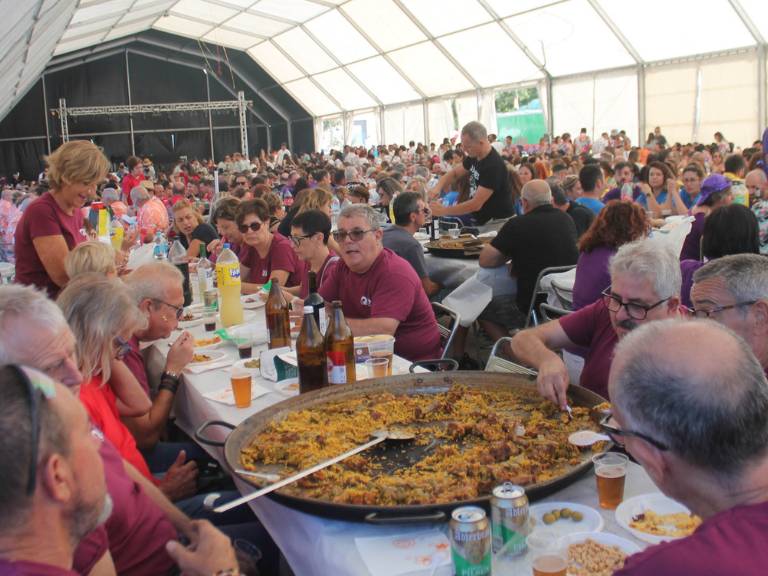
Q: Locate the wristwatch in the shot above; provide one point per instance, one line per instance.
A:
(170, 381)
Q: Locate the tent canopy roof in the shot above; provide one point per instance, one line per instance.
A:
(341, 55)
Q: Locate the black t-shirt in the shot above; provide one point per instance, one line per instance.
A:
(582, 217)
(204, 232)
(541, 238)
(490, 172)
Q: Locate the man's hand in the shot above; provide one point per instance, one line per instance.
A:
(210, 551)
(180, 481)
(553, 380)
(180, 353)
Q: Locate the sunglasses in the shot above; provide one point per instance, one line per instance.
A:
(355, 235)
(253, 227)
(179, 310)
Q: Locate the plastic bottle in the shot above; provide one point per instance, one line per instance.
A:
(626, 192)
(204, 273)
(228, 278)
(178, 257)
(116, 234)
(160, 251)
(310, 353)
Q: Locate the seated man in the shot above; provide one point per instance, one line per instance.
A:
(690, 403)
(410, 214)
(645, 286)
(380, 292)
(733, 290)
(592, 183)
(582, 217)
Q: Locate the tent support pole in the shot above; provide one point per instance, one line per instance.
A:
(641, 128)
(762, 114)
(210, 117)
(45, 117)
(130, 116)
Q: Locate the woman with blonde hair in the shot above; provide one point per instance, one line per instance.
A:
(91, 256)
(53, 224)
(190, 228)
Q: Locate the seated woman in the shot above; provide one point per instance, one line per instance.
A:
(662, 194)
(264, 255)
(91, 256)
(715, 192)
(618, 223)
(359, 195)
(191, 229)
(53, 224)
(276, 210)
(223, 218)
(309, 234)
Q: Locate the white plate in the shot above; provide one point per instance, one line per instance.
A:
(214, 356)
(655, 501)
(184, 324)
(288, 387)
(421, 236)
(592, 521)
(208, 347)
(241, 364)
(257, 301)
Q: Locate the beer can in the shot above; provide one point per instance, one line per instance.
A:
(509, 517)
(470, 535)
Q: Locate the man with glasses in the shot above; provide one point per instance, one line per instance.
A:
(410, 214)
(690, 404)
(645, 286)
(379, 291)
(733, 290)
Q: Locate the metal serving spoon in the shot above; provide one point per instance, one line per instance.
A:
(584, 438)
(379, 436)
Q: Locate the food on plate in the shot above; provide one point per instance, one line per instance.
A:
(200, 358)
(201, 342)
(254, 363)
(562, 514)
(676, 525)
(590, 558)
(188, 317)
(468, 441)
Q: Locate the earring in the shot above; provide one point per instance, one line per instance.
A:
(165, 318)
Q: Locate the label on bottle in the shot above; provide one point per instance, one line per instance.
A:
(323, 320)
(208, 279)
(228, 274)
(337, 367)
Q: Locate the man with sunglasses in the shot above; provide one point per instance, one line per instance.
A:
(411, 213)
(379, 291)
(645, 286)
(690, 403)
(733, 290)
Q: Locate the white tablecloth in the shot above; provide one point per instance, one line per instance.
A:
(316, 546)
(450, 272)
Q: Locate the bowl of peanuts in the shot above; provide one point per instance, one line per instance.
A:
(596, 553)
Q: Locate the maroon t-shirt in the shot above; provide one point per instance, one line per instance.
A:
(90, 550)
(731, 543)
(304, 274)
(135, 363)
(280, 257)
(389, 289)
(32, 569)
(44, 217)
(591, 328)
(138, 529)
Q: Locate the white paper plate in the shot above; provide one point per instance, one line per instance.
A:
(655, 501)
(214, 355)
(241, 364)
(604, 538)
(592, 521)
(421, 236)
(252, 301)
(198, 319)
(207, 347)
(288, 387)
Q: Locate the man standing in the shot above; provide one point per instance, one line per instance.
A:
(690, 404)
(490, 192)
(592, 184)
(410, 214)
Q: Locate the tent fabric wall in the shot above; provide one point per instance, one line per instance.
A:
(404, 123)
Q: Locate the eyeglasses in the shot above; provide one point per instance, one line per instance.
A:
(122, 347)
(616, 433)
(179, 310)
(634, 310)
(297, 239)
(253, 227)
(425, 210)
(35, 389)
(355, 235)
(708, 313)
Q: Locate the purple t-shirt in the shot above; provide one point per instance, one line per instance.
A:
(43, 218)
(688, 268)
(32, 569)
(389, 289)
(280, 257)
(592, 276)
(731, 543)
(615, 194)
(692, 246)
(591, 328)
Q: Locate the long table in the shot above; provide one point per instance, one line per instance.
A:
(317, 546)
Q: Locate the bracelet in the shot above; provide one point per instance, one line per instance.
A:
(170, 382)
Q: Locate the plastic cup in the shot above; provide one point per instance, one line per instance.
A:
(548, 556)
(209, 320)
(382, 346)
(377, 367)
(241, 387)
(611, 472)
(454, 233)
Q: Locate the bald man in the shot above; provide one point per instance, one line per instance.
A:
(699, 427)
(757, 183)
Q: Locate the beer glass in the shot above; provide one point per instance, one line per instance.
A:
(241, 387)
(377, 367)
(610, 471)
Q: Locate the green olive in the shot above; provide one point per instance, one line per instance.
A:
(556, 514)
(549, 518)
(577, 516)
(565, 513)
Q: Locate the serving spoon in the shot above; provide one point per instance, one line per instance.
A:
(379, 436)
(583, 438)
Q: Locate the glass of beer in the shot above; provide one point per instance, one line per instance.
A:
(241, 387)
(382, 346)
(209, 319)
(377, 367)
(548, 557)
(610, 471)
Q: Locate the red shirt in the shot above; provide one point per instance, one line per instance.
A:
(101, 404)
(280, 257)
(591, 328)
(304, 274)
(129, 183)
(389, 289)
(731, 543)
(91, 549)
(32, 569)
(44, 217)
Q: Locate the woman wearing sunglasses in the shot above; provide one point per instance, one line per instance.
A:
(265, 255)
(190, 228)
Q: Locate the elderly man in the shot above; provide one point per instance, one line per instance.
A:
(490, 188)
(757, 184)
(380, 292)
(733, 290)
(690, 403)
(645, 286)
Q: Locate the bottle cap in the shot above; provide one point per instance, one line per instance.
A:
(226, 245)
(309, 310)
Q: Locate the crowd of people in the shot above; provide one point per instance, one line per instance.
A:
(676, 340)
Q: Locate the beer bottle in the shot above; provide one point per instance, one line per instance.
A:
(339, 348)
(178, 257)
(278, 321)
(310, 353)
(316, 301)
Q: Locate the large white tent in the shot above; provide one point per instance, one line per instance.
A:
(415, 69)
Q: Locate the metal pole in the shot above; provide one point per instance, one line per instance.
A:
(550, 111)
(63, 120)
(210, 117)
(762, 114)
(243, 126)
(130, 116)
(425, 112)
(641, 128)
(45, 117)
(382, 132)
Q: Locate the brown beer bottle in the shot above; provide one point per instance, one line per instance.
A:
(339, 348)
(310, 353)
(278, 321)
